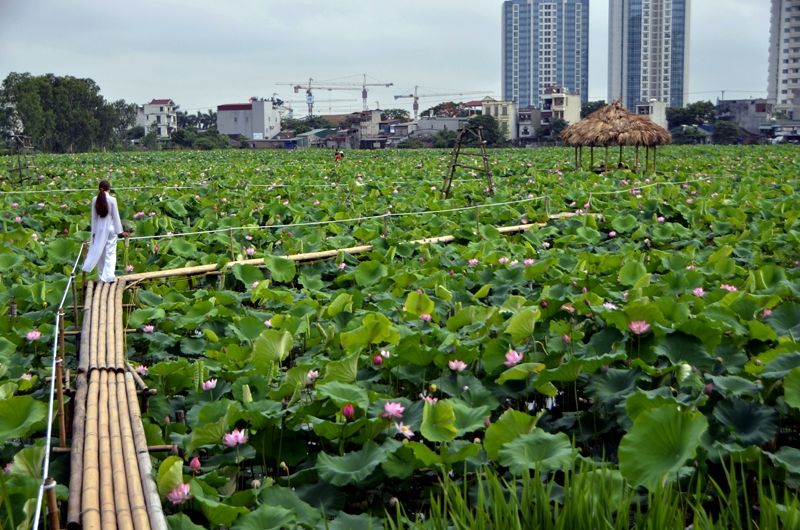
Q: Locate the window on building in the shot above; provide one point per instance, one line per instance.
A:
(160, 109)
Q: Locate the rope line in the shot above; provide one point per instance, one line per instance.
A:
(48, 437)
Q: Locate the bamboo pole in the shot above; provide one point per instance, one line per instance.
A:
(107, 502)
(97, 323)
(136, 377)
(76, 455)
(52, 503)
(59, 375)
(136, 498)
(119, 363)
(83, 354)
(90, 491)
(118, 464)
(154, 510)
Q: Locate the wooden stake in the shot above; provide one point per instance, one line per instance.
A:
(230, 241)
(52, 503)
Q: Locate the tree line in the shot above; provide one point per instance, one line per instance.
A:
(63, 114)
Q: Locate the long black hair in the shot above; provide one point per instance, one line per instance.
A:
(101, 204)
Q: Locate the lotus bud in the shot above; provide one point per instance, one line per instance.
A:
(283, 467)
(433, 388)
(247, 397)
(255, 483)
(544, 304)
(377, 360)
(393, 502)
(709, 388)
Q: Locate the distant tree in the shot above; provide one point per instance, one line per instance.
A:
(591, 106)
(556, 126)
(317, 122)
(135, 133)
(697, 113)
(183, 137)
(150, 141)
(298, 126)
(725, 132)
(444, 139)
(395, 114)
(688, 134)
(410, 143)
(491, 130)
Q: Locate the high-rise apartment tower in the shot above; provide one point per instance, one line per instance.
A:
(783, 83)
(545, 44)
(648, 51)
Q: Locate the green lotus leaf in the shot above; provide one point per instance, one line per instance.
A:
(781, 365)
(218, 513)
(509, 426)
(140, 317)
(439, 422)
(170, 474)
(632, 273)
(344, 370)
(183, 248)
(788, 457)
(468, 418)
(791, 388)
(266, 517)
(287, 498)
(281, 269)
(352, 468)
(63, 250)
(733, 385)
(181, 521)
(522, 325)
(343, 302)
(375, 328)
(613, 386)
(418, 303)
(785, 320)
(247, 274)
(538, 450)
(370, 272)
(519, 372)
(21, 416)
(272, 346)
(343, 393)
(10, 261)
(346, 521)
(747, 422)
(660, 441)
(624, 223)
(682, 348)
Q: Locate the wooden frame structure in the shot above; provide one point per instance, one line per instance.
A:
(465, 134)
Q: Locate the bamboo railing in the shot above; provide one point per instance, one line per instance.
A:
(111, 483)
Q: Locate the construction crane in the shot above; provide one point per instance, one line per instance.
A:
(310, 86)
(416, 96)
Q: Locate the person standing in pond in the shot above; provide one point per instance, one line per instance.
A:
(106, 226)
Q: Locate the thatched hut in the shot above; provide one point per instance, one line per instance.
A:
(613, 125)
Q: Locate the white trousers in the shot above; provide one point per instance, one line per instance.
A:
(104, 255)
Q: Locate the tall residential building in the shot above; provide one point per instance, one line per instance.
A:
(648, 51)
(545, 44)
(783, 84)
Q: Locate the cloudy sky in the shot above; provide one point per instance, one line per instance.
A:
(202, 53)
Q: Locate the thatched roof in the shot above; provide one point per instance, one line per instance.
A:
(614, 125)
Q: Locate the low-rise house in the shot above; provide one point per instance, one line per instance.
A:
(257, 119)
(159, 116)
(749, 114)
(428, 126)
(559, 103)
(505, 112)
(653, 109)
(528, 121)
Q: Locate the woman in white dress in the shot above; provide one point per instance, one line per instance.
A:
(105, 227)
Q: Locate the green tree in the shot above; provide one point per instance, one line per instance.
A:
(556, 126)
(183, 137)
(688, 134)
(697, 113)
(725, 132)
(491, 131)
(150, 141)
(591, 106)
(444, 139)
(395, 114)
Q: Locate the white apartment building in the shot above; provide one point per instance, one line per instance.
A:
(655, 110)
(257, 119)
(783, 83)
(160, 116)
(558, 103)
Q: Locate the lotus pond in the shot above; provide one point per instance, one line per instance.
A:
(648, 344)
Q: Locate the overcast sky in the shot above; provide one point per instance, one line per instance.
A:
(202, 53)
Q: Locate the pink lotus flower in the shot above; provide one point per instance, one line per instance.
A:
(377, 360)
(546, 244)
(430, 399)
(179, 494)
(26, 376)
(660, 219)
(139, 215)
(129, 268)
(235, 437)
(610, 306)
(141, 369)
(311, 376)
(248, 237)
(456, 365)
(17, 219)
(7, 468)
(766, 313)
(404, 429)
(211, 384)
(254, 285)
(15, 205)
(152, 214)
(503, 260)
(342, 266)
(194, 465)
(268, 322)
(699, 292)
(638, 327)
(568, 308)
(33, 335)
(250, 251)
(727, 287)
(393, 409)
(528, 262)
(513, 262)
(565, 339)
(148, 328)
(426, 317)
(386, 354)
(689, 200)
(316, 202)
(612, 233)
(513, 357)
(348, 411)
(472, 262)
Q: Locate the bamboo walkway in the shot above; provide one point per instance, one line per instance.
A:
(111, 481)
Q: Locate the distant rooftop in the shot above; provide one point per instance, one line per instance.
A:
(235, 106)
(162, 102)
